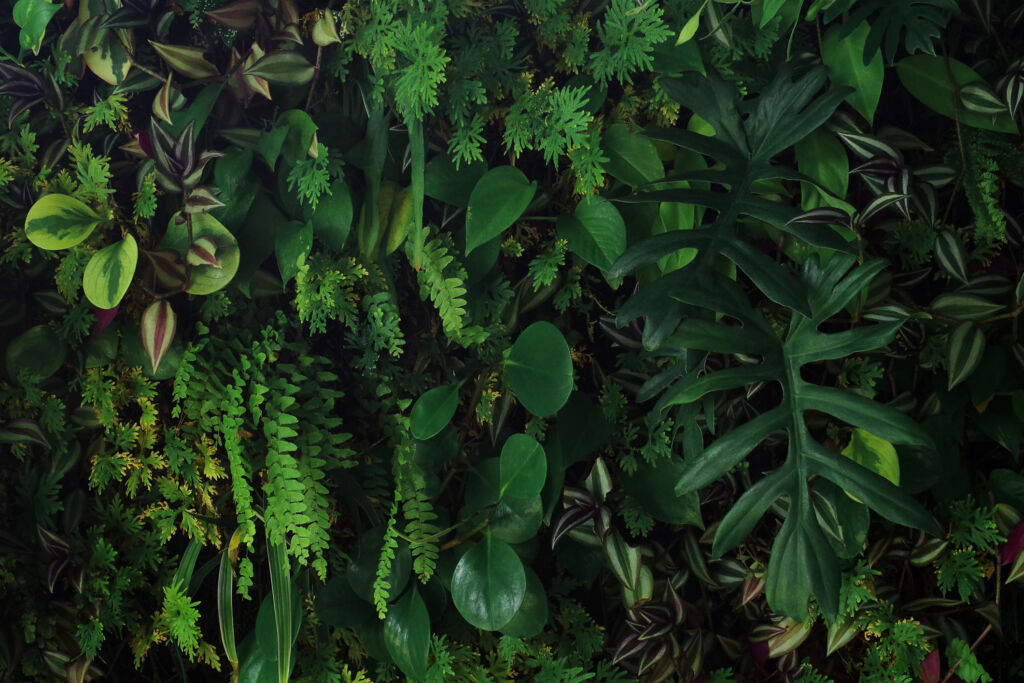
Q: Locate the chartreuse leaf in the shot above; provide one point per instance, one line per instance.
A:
(803, 563)
(927, 77)
(109, 272)
(433, 410)
(498, 199)
(57, 221)
(407, 634)
(489, 584)
(32, 17)
(523, 467)
(539, 369)
(844, 57)
(873, 453)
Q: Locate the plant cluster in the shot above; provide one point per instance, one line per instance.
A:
(553, 340)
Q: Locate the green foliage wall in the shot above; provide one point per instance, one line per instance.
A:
(553, 340)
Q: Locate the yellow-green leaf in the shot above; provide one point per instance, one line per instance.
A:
(109, 272)
(875, 454)
(57, 221)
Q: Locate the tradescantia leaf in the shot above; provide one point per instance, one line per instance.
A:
(109, 272)
(57, 221)
(157, 327)
(282, 68)
(803, 563)
(966, 348)
(188, 61)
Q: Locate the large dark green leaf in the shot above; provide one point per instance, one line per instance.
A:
(539, 369)
(497, 201)
(407, 634)
(489, 584)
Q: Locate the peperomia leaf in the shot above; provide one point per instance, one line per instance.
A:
(489, 584)
(407, 635)
(539, 369)
(109, 272)
(57, 221)
(523, 467)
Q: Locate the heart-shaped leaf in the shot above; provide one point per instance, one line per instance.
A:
(596, 233)
(497, 200)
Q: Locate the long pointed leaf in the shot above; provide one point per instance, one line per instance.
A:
(729, 451)
(749, 509)
(880, 494)
(862, 412)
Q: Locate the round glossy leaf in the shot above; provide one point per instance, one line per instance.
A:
(539, 369)
(499, 198)
(517, 520)
(533, 613)
(206, 279)
(37, 351)
(489, 584)
(407, 634)
(433, 411)
(57, 221)
(523, 467)
(109, 272)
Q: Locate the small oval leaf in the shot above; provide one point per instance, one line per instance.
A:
(434, 410)
(523, 467)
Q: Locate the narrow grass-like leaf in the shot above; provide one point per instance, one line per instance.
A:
(281, 592)
(225, 605)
